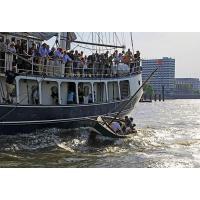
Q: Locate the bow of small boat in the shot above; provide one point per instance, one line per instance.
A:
(102, 127)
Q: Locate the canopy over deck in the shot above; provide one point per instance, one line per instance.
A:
(71, 36)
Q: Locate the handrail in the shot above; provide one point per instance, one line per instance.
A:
(53, 58)
(76, 68)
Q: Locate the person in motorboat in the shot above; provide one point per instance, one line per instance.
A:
(127, 121)
(116, 127)
(128, 125)
(132, 123)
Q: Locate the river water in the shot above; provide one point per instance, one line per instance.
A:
(168, 136)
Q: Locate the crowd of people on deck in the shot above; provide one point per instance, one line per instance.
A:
(17, 58)
(57, 61)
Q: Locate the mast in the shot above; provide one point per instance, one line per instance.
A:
(99, 41)
(92, 40)
(132, 42)
(62, 37)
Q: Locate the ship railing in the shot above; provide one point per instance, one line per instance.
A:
(57, 68)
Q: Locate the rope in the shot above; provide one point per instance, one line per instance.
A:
(117, 39)
(98, 34)
(81, 37)
(88, 37)
(123, 107)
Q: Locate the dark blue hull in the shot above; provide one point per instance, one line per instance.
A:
(15, 119)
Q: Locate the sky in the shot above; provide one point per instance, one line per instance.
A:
(183, 46)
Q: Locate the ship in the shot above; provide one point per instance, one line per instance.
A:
(50, 93)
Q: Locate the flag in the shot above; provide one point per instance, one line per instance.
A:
(159, 62)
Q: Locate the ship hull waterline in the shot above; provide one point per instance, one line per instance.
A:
(24, 119)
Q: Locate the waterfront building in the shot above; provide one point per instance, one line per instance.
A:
(164, 78)
(187, 86)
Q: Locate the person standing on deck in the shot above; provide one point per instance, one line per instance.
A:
(43, 54)
(76, 63)
(32, 50)
(58, 59)
(70, 97)
(10, 86)
(2, 55)
(19, 51)
(137, 60)
(9, 58)
(51, 62)
(7, 54)
(66, 69)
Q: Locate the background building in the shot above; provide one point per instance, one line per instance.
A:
(187, 86)
(164, 77)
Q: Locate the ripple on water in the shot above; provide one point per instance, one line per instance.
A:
(168, 136)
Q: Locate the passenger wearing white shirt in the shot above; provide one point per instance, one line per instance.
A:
(116, 127)
(9, 56)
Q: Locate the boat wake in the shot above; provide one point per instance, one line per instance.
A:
(70, 148)
(74, 140)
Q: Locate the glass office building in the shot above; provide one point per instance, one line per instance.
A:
(163, 78)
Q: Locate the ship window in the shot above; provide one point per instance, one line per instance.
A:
(99, 92)
(85, 93)
(124, 89)
(49, 92)
(113, 91)
(54, 94)
(71, 95)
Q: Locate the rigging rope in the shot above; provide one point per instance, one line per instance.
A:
(106, 38)
(82, 38)
(123, 38)
(88, 37)
(98, 34)
(117, 39)
(132, 97)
